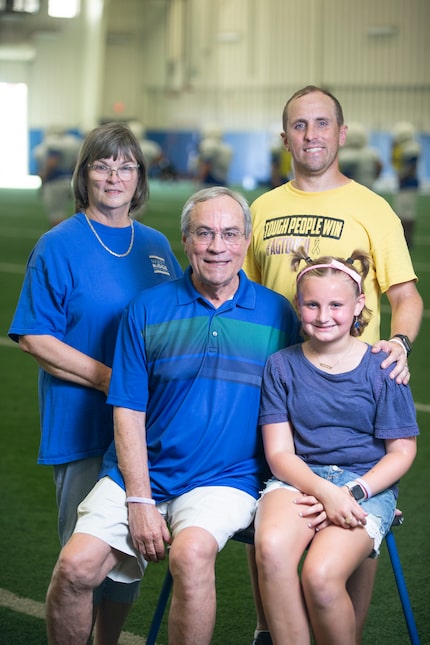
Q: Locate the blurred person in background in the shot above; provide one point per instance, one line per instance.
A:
(281, 161)
(214, 156)
(328, 213)
(358, 160)
(405, 155)
(56, 158)
(157, 164)
(79, 278)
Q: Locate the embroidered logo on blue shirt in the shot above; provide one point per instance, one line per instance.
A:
(159, 265)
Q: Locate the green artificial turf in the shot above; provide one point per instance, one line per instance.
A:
(19, 629)
(28, 539)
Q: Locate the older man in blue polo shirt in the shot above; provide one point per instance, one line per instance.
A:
(187, 464)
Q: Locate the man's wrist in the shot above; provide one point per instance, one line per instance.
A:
(404, 341)
(140, 500)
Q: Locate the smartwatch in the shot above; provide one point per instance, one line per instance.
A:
(357, 492)
(406, 342)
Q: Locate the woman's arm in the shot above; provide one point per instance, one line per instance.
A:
(65, 362)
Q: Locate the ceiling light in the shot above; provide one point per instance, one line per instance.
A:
(63, 8)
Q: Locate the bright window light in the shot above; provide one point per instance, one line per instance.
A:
(14, 137)
(63, 8)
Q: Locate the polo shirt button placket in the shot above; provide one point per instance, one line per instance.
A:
(213, 342)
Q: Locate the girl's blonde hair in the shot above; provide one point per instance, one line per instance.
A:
(327, 265)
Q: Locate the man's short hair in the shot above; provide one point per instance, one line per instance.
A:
(310, 89)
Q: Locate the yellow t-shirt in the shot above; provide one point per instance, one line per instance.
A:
(334, 222)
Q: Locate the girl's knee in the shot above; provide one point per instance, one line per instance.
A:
(270, 550)
(319, 584)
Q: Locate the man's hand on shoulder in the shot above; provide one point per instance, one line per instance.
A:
(396, 354)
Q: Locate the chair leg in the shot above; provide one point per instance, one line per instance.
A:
(160, 609)
(402, 589)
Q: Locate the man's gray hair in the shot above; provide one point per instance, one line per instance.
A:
(206, 194)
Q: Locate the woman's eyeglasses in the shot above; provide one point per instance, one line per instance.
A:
(124, 173)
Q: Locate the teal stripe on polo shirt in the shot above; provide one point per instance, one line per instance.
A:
(217, 344)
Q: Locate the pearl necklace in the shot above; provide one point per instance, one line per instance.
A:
(326, 366)
(117, 255)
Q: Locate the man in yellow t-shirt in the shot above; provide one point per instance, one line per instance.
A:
(330, 222)
(330, 214)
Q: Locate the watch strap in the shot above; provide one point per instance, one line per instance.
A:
(406, 343)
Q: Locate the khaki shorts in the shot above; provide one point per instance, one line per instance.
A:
(220, 510)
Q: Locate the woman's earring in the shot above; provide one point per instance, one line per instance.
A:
(356, 323)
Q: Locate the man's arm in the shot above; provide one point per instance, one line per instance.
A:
(406, 314)
(148, 529)
(406, 309)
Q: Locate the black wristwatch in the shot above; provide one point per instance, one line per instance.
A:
(357, 492)
(406, 342)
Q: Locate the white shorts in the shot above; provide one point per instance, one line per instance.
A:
(220, 510)
(405, 204)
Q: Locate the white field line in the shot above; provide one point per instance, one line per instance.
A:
(6, 267)
(422, 407)
(37, 610)
(7, 342)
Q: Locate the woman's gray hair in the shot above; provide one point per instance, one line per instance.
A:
(111, 140)
(206, 194)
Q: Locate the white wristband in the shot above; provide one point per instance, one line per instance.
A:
(140, 500)
(399, 342)
(365, 487)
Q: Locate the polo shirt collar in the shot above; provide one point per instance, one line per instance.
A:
(244, 297)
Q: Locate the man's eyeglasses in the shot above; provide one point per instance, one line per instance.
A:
(206, 236)
(124, 173)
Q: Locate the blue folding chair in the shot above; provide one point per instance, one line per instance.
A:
(247, 537)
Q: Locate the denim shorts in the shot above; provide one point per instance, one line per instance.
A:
(380, 508)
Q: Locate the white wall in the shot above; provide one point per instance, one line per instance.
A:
(65, 75)
(245, 58)
(180, 63)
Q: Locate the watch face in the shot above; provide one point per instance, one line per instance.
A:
(407, 343)
(357, 493)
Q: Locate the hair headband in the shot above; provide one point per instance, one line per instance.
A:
(334, 264)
